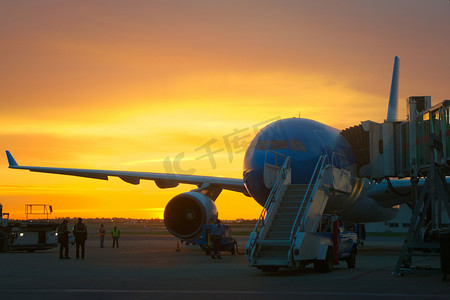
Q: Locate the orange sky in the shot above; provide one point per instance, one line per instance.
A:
(125, 84)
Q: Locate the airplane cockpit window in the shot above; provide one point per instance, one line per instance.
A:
(297, 145)
(262, 145)
(279, 145)
(293, 144)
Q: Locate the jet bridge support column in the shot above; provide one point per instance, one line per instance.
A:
(426, 221)
(412, 150)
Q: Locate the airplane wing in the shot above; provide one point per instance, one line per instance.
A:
(162, 180)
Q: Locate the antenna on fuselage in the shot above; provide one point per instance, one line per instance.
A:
(393, 96)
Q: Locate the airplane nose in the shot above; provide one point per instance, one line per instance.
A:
(254, 176)
(254, 182)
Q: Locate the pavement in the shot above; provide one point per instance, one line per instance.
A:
(147, 267)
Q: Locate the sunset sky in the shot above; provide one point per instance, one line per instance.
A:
(125, 85)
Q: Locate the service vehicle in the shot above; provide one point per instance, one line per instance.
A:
(205, 241)
(26, 235)
(325, 248)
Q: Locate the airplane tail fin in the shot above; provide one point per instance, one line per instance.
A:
(11, 161)
(393, 96)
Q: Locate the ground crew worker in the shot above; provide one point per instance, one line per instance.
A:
(115, 236)
(63, 240)
(101, 231)
(217, 233)
(80, 233)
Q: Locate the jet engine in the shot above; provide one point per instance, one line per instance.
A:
(186, 214)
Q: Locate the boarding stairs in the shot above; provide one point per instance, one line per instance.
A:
(291, 208)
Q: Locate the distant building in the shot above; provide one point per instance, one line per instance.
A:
(401, 222)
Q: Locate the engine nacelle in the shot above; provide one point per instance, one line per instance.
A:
(186, 214)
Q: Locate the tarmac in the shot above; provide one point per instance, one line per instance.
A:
(149, 267)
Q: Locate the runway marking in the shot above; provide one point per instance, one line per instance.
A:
(206, 292)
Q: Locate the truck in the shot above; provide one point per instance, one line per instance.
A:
(26, 235)
(326, 247)
(205, 242)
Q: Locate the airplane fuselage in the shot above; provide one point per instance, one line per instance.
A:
(305, 141)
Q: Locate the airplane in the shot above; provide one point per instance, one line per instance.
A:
(304, 140)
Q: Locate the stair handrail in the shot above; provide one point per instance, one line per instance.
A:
(274, 194)
(276, 157)
(340, 156)
(321, 163)
(273, 167)
(276, 187)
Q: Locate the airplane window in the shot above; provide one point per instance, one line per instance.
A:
(262, 145)
(296, 145)
(278, 145)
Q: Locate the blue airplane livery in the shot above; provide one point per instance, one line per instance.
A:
(304, 140)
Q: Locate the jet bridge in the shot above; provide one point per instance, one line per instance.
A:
(418, 147)
(402, 148)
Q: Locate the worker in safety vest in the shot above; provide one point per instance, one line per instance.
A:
(115, 236)
(80, 233)
(101, 233)
(217, 234)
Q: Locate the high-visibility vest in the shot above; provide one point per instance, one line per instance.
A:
(115, 233)
(102, 231)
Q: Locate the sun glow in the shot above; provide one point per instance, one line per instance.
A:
(145, 85)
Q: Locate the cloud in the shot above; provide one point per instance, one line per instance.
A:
(129, 84)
